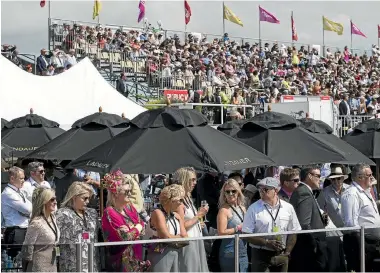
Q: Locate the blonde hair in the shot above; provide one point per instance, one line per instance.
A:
(41, 196)
(172, 192)
(182, 177)
(128, 179)
(235, 185)
(76, 189)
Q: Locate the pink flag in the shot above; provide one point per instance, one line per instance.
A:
(142, 10)
(378, 31)
(355, 30)
(267, 16)
(187, 12)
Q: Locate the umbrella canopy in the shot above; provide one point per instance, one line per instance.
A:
(6, 151)
(165, 139)
(325, 133)
(232, 126)
(84, 135)
(27, 133)
(3, 122)
(281, 138)
(366, 138)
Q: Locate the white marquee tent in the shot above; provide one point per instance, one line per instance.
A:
(63, 98)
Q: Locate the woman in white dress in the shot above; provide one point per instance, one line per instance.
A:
(192, 257)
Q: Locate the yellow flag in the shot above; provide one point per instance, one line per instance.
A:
(332, 26)
(230, 16)
(97, 8)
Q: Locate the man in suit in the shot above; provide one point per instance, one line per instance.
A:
(43, 62)
(121, 86)
(344, 107)
(309, 253)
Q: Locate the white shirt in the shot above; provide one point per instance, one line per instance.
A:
(15, 208)
(70, 60)
(359, 209)
(30, 185)
(258, 219)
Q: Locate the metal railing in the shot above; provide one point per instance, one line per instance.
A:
(344, 124)
(236, 238)
(223, 108)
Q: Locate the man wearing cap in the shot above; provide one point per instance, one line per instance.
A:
(333, 194)
(270, 215)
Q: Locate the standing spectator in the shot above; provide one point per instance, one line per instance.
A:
(230, 221)
(309, 253)
(121, 85)
(42, 62)
(360, 209)
(344, 107)
(15, 208)
(40, 249)
(270, 215)
(77, 223)
(37, 179)
(289, 179)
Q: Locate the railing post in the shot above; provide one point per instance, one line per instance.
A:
(90, 257)
(221, 114)
(237, 267)
(79, 257)
(362, 250)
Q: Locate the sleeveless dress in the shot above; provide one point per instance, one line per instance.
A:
(193, 257)
(227, 247)
(168, 260)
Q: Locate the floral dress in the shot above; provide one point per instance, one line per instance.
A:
(72, 227)
(118, 227)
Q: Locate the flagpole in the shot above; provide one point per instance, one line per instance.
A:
(351, 34)
(259, 28)
(49, 24)
(291, 28)
(224, 27)
(323, 37)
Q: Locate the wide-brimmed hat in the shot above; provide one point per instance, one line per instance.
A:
(337, 172)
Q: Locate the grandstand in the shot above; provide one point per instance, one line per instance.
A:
(156, 59)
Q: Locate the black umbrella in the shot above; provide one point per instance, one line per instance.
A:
(325, 133)
(231, 127)
(27, 133)
(366, 138)
(165, 139)
(3, 122)
(6, 151)
(84, 135)
(281, 138)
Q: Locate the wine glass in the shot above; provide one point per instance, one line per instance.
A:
(204, 204)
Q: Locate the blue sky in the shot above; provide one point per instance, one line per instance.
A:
(24, 23)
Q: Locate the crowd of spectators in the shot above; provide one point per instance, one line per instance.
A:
(226, 70)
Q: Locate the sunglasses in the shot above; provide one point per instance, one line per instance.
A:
(315, 175)
(265, 189)
(53, 199)
(296, 180)
(232, 192)
(41, 171)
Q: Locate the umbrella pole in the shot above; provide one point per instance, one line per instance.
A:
(377, 176)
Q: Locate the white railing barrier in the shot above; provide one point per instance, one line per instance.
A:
(236, 237)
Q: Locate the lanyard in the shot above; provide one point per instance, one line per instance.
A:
(55, 229)
(271, 215)
(19, 193)
(242, 212)
(173, 224)
(370, 198)
(83, 219)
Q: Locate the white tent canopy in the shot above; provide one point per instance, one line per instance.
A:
(63, 98)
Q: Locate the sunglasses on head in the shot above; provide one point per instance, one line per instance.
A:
(231, 192)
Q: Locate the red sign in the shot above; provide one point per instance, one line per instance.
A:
(325, 98)
(287, 98)
(181, 95)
